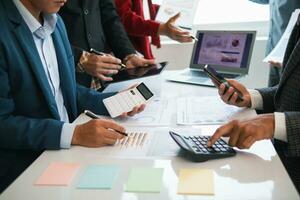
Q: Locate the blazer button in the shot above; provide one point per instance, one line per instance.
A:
(86, 11)
(89, 36)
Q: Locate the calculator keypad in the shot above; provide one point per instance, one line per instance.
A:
(199, 145)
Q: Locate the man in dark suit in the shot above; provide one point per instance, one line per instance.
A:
(280, 112)
(96, 24)
(39, 96)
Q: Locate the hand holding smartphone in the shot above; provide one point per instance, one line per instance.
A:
(218, 79)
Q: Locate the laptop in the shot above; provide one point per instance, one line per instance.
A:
(228, 52)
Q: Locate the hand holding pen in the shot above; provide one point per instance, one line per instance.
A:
(97, 133)
(94, 116)
(123, 66)
(100, 65)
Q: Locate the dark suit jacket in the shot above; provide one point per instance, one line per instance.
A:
(95, 24)
(138, 29)
(285, 97)
(29, 119)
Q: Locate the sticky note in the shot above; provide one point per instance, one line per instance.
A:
(59, 174)
(196, 181)
(99, 177)
(148, 180)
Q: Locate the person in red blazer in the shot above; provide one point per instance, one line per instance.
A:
(139, 29)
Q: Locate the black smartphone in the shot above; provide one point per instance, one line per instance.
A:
(219, 79)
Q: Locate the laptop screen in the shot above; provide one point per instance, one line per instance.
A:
(226, 51)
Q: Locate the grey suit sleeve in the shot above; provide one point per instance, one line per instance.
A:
(292, 120)
(268, 95)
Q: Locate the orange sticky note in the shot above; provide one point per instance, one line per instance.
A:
(59, 174)
(196, 181)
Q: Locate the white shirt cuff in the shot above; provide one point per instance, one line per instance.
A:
(256, 100)
(280, 127)
(67, 135)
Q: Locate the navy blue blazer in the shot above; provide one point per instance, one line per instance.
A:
(29, 119)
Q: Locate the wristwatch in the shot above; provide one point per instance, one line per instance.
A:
(79, 66)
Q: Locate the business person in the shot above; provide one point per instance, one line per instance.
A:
(38, 92)
(280, 13)
(280, 112)
(96, 24)
(138, 17)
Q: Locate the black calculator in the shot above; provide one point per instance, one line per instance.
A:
(195, 148)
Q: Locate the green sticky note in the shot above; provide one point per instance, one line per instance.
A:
(144, 180)
(98, 177)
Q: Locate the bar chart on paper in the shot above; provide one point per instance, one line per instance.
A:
(134, 140)
(136, 144)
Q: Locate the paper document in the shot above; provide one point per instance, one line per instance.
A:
(59, 174)
(99, 177)
(145, 180)
(208, 110)
(157, 113)
(196, 181)
(188, 10)
(277, 54)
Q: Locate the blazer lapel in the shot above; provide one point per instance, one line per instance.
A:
(26, 41)
(65, 73)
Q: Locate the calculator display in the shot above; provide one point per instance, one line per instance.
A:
(142, 88)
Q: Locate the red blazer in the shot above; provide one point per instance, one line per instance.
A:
(132, 16)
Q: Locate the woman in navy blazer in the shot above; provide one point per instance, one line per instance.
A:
(29, 118)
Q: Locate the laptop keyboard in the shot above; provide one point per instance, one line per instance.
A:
(195, 74)
(202, 74)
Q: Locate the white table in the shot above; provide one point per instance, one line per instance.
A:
(252, 174)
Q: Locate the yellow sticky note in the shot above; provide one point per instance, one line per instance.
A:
(196, 181)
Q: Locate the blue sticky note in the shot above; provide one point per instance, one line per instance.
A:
(99, 177)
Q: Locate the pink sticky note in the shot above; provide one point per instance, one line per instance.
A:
(58, 174)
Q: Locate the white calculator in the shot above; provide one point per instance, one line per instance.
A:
(125, 101)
